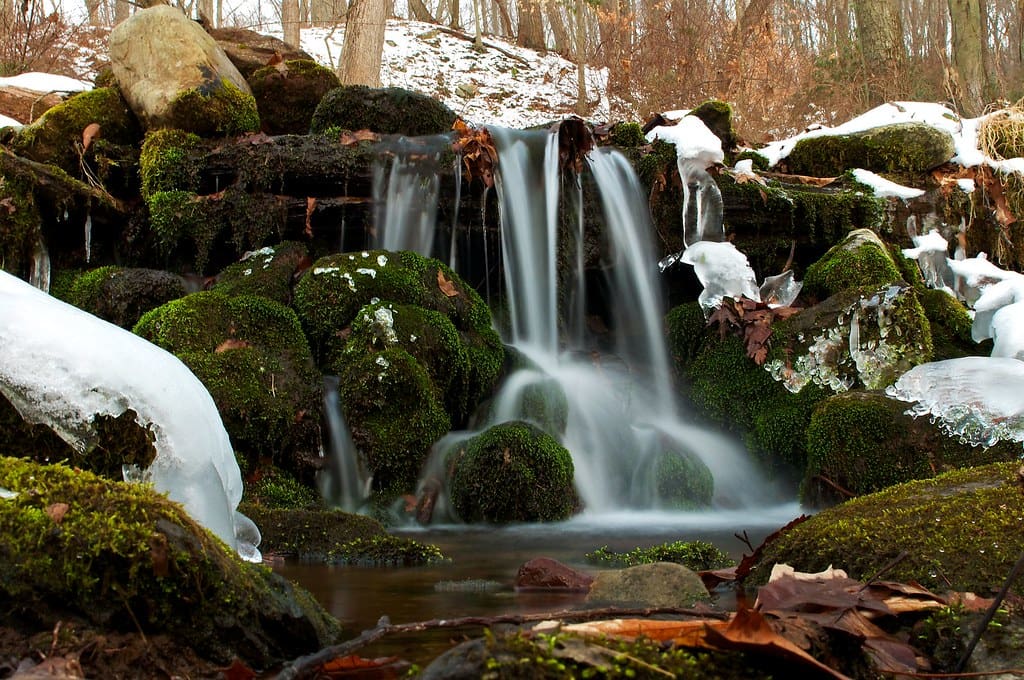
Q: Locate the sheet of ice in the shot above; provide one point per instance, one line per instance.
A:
(980, 400)
(885, 188)
(694, 142)
(62, 366)
(723, 271)
(993, 298)
(973, 274)
(45, 82)
(1007, 330)
(931, 252)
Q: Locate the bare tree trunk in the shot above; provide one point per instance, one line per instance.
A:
(559, 32)
(502, 19)
(205, 10)
(968, 67)
(420, 12)
(478, 40)
(745, 26)
(455, 20)
(581, 59)
(364, 43)
(325, 12)
(880, 36)
(290, 21)
(531, 25)
(92, 7)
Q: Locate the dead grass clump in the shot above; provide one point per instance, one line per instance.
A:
(1001, 134)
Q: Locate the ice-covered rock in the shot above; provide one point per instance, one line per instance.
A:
(931, 252)
(63, 367)
(723, 271)
(977, 399)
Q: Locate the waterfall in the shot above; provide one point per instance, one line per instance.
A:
(344, 483)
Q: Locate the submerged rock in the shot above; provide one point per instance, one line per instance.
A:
(544, 573)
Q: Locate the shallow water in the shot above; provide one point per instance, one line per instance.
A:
(359, 596)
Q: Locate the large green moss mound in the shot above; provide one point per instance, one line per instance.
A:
(252, 356)
(959, 531)
(390, 110)
(124, 557)
(860, 259)
(513, 472)
(911, 148)
(163, 164)
(269, 272)
(217, 108)
(288, 93)
(863, 442)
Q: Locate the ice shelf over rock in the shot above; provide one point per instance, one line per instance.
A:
(62, 367)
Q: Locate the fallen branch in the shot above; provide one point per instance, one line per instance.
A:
(491, 46)
(304, 666)
(990, 614)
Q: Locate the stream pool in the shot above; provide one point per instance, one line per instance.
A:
(359, 596)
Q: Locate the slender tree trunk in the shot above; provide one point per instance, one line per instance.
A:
(420, 12)
(454, 15)
(968, 61)
(121, 11)
(531, 25)
(502, 19)
(205, 11)
(290, 21)
(746, 25)
(563, 44)
(364, 43)
(880, 36)
(478, 40)
(581, 59)
(92, 7)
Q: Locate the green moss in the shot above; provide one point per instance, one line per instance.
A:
(287, 94)
(20, 224)
(860, 260)
(627, 135)
(864, 442)
(216, 109)
(658, 163)
(276, 489)
(951, 326)
(310, 534)
(682, 481)
(86, 288)
(717, 116)
(56, 138)
(695, 555)
(386, 551)
(513, 472)
(126, 557)
(395, 415)
(898, 148)
(164, 164)
(389, 110)
(268, 272)
(760, 162)
(959, 532)
(252, 356)
(121, 296)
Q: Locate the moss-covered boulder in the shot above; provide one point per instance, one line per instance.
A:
(269, 272)
(21, 230)
(656, 584)
(860, 259)
(395, 414)
(958, 531)
(188, 84)
(126, 558)
(56, 138)
(331, 294)
(121, 296)
(863, 442)
(163, 162)
(682, 481)
(390, 110)
(513, 472)
(951, 326)
(717, 116)
(909, 148)
(288, 93)
(252, 356)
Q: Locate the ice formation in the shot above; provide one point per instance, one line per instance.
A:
(976, 399)
(723, 271)
(62, 367)
(931, 251)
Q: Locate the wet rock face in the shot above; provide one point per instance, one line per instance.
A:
(544, 573)
(189, 83)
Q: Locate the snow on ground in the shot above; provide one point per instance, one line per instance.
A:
(489, 87)
(45, 82)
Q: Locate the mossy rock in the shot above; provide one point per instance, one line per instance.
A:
(390, 110)
(900, 148)
(627, 135)
(20, 224)
(121, 296)
(217, 108)
(717, 116)
(428, 336)
(695, 555)
(864, 442)
(56, 138)
(126, 558)
(860, 259)
(682, 481)
(529, 394)
(268, 272)
(518, 655)
(288, 93)
(395, 415)
(336, 287)
(958, 531)
(164, 164)
(309, 534)
(272, 488)
(116, 442)
(252, 356)
(513, 472)
(951, 326)
(210, 231)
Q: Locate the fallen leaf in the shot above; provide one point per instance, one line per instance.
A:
(8, 203)
(238, 671)
(91, 132)
(56, 512)
(230, 344)
(446, 285)
(310, 209)
(354, 666)
(688, 633)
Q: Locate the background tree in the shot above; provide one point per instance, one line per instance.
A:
(364, 43)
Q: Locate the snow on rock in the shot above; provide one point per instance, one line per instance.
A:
(885, 188)
(695, 143)
(723, 271)
(62, 366)
(976, 399)
(7, 121)
(45, 82)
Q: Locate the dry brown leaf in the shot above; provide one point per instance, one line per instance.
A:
(230, 344)
(789, 594)
(91, 132)
(8, 203)
(310, 209)
(446, 285)
(353, 666)
(689, 633)
(56, 512)
(238, 671)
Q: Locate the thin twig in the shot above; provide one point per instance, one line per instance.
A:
(990, 614)
(889, 565)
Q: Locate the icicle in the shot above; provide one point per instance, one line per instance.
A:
(88, 237)
(39, 276)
